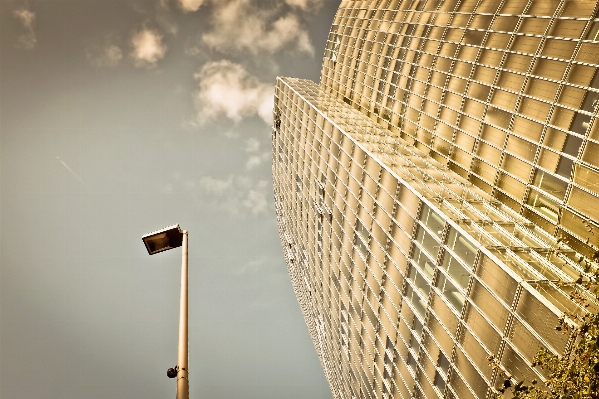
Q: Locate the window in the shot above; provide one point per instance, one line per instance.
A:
(422, 286)
(456, 270)
(420, 282)
(298, 184)
(388, 371)
(564, 166)
(463, 248)
(573, 143)
(439, 381)
(593, 33)
(344, 330)
(361, 238)
(333, 45)
(320, 216)
(419, 303)
(543, 205)
(451, 292)
(425, 263)
(443, 364)
(430, 244)
(412, 358)
(550, 184)
(432, 220)
(319, 189)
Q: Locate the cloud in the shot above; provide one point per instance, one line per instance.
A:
(256, 202)
(215, 186)
(27, 40)
(237, 195)
(256, 160)
(253, 162)
(238, 25)
(305, 4)
(106, 55)
(194, 48)
(252, 145)
(228, 89)
(147, 48)
(190, 5)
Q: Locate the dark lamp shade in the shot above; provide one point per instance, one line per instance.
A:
(163, 240)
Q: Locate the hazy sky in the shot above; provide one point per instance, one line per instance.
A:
(118, 118)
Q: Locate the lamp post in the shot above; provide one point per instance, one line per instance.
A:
(163, 240)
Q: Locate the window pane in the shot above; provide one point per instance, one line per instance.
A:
(428, 242)
(465, 250)
(449, 290)
(432, 220)
(460, 275)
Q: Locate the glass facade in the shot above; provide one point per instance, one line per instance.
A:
(436, 193)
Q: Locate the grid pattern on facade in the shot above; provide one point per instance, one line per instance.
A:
(435, 193)
(502, 92)
(407, 287)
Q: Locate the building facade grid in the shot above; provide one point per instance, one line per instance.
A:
(463, 93)
(433, 192)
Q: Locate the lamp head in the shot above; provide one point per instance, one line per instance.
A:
(163, 240)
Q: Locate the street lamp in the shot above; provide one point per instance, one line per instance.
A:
(163, 240)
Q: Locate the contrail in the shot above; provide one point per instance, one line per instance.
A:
(69, 169)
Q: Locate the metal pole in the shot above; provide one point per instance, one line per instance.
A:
(183, 355)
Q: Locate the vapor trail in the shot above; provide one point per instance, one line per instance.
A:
(69, 169)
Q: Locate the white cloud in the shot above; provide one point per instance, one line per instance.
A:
(256, 160)
(252, 145)
(192, 51)
(305, 4)
(237, 195)
(216, 186)
(27, 40)
(190, 5)
(228, 89)
(107, 55)
(147, 48)
(253, 161)
(255, 202)
(240, 25)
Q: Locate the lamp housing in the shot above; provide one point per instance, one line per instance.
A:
(163, 240)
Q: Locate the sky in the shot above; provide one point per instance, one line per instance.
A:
(118, 118)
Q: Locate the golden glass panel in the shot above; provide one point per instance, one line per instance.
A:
(527, 128)
(589, 53)
(590, 154)
(543, 8)
(584, 202)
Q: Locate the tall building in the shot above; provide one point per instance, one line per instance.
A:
(437, 192)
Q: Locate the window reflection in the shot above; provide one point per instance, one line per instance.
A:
(426, 264)
(455, 269)
(428, 242)
(550, 184)
(463, 248)
(543, 205)
(450, 291)
(432, 220)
